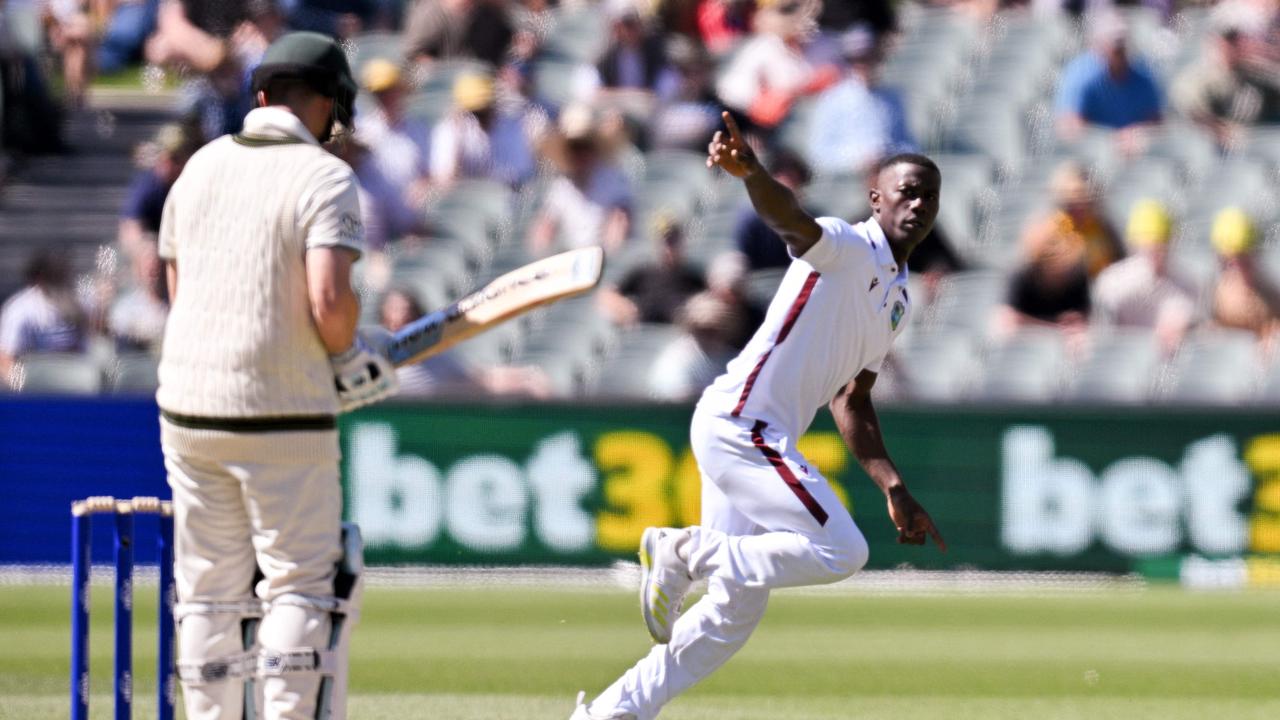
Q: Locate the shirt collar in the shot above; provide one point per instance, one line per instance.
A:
(884, 254)
(276, 123)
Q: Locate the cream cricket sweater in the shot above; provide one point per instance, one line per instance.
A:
(240, 341)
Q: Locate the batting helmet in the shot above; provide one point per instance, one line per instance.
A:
(316, 60)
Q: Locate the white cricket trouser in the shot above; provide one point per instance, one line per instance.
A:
(769, 520)
(243, 501)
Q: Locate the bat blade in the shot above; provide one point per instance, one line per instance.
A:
(515, 293)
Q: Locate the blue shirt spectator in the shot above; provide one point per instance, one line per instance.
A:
(856, 122)
(145, 201)
(1105, 86)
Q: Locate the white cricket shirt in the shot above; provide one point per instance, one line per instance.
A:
(240, 341)
(836, 313)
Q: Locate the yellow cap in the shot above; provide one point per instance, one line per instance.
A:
(473, 92)
(1149, 224)
(380, 75)
(1233, 232)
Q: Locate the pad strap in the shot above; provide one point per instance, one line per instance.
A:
(274, 663)
(239, 608)
(206, 672)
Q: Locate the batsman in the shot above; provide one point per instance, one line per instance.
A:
(260, 355)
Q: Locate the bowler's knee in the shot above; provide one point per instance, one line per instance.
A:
(846, 554)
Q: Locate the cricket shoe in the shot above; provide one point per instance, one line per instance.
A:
(583, 712)
(664, 581)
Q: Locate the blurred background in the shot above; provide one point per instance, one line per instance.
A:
(1088, 381)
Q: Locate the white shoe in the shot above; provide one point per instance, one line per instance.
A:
(664, 582)
(582, 712)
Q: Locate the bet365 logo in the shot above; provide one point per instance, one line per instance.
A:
(1135, 506)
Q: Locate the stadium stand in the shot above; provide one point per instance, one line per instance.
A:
(978, 93)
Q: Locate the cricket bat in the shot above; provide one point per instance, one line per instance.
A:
(515, 293)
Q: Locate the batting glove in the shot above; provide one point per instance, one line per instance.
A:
(362, 375)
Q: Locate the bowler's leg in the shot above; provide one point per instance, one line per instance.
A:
(704, 637)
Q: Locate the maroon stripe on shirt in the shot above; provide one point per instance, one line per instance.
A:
(797, 487)
(792, 315)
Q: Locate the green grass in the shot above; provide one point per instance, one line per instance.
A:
(516, 653)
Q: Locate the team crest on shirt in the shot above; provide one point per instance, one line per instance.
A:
(350, 227)
(895, 315)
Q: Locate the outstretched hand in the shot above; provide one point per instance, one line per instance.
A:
(913, 523)
(731, 152)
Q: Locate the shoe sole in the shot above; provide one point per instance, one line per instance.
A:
(648, 544)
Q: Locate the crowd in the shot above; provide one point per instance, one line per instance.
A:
(531, 106)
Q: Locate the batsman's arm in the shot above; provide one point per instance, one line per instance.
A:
(859, 426)
(334, 305)
(773, 201)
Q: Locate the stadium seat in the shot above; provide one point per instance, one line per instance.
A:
(1122, 367)
(1028, 367)
(1185, 144)
(1146, 177)
(762, 285)
(578, 34)
(1214, 367)
(58, 373)
(965, 301)
(135, 374)
(934, 366)
(842, 196)
(553, 81)
(626, 373)
(374, 45)
(964, 177)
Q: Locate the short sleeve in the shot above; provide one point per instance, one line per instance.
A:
(836, 247)
(168, 236)
(330, 212)
(1071, 88)
(875, 365)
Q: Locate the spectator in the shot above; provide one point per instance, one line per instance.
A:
(252, 37)
(1244, 297)
(727, 280)
(653, 292)
(136, 319)
(692, 361)
(1105, 87)
(216, 102)
(753, 238)
(1223, 91)
(195, 33)
(589, 203)
(31, 122)
(770, 72)
(840, 16)
(338, 18)
(1048, 290)
(858, 121)
(446, 373)
(1077, 226)
(400, 146)
(1060, 250)
(479, 139)
(71, 34)
(722, 24)
(442, 29)
(636, 57)
(1141, 291)
(44, 316)
(131, 22)
(163, 158)
(688, 111)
